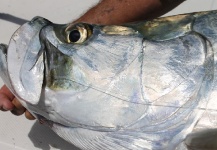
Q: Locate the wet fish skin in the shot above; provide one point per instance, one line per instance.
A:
(139, 86)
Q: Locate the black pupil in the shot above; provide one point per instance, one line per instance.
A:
(74, 36)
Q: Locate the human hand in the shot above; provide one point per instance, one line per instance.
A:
(8, 102)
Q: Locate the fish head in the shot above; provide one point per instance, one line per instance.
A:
(146, 83)
(65, 73)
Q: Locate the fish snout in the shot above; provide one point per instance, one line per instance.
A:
(25, 60)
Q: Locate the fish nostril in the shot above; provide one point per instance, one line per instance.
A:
(39, 20)
(36, 18)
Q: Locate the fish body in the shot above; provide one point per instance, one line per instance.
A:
(142, 86)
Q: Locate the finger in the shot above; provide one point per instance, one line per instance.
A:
(29, 115)
(5, 91)
(5, 99)
(18, 108)
(5, 103)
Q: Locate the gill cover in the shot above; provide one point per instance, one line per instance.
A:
(25, 61)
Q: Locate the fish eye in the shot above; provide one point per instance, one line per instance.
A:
(74, 36)
(78, 33)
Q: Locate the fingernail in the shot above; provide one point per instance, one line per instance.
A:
(5, 108)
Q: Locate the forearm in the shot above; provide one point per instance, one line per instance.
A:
(122, 11)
